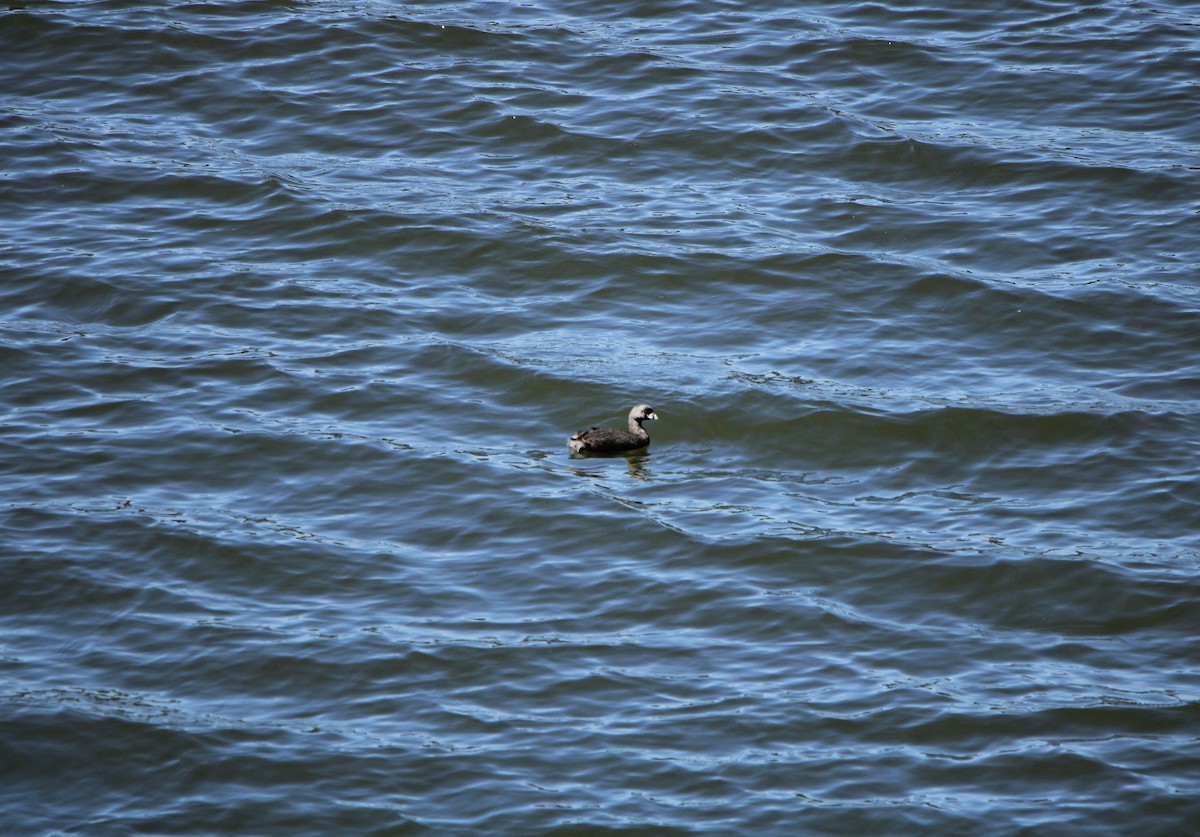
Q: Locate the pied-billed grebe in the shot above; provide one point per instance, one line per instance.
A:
(612, 439)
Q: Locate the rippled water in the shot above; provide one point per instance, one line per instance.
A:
(299, 302)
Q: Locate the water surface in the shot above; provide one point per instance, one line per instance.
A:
(299, 302)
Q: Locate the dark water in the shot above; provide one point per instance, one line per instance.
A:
(299, 302)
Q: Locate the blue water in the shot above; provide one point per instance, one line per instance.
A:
(300, 301)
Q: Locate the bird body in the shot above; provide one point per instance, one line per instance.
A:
(613, 439)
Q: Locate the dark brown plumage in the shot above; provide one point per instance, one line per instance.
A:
(613, 439)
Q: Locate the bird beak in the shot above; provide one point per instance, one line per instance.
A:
(653, 416)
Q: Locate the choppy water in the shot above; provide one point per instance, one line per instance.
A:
(299, 302)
